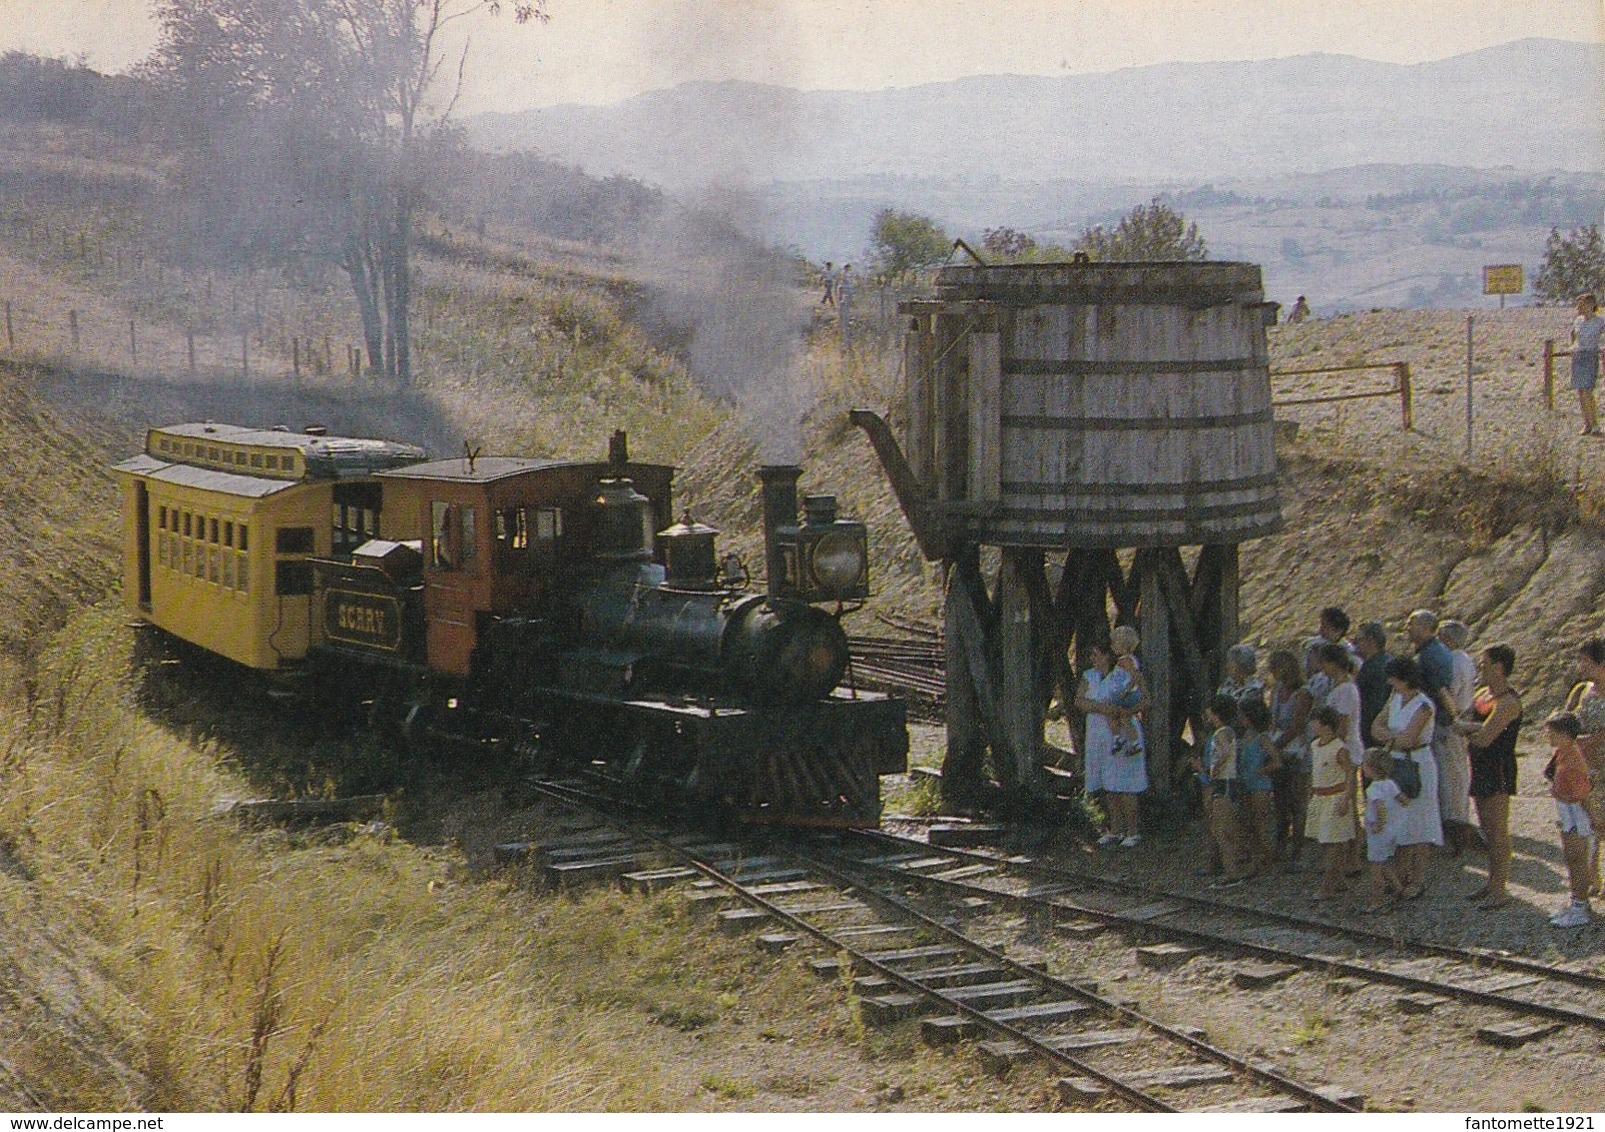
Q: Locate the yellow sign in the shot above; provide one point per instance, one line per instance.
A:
(1503, 279)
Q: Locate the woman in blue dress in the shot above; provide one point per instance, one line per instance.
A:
(1121, 778)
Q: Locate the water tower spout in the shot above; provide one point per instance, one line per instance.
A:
(930, 531)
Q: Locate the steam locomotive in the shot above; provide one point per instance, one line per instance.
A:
(552, 609)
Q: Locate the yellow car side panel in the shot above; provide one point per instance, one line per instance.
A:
(189, 596)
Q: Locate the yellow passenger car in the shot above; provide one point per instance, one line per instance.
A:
(219, 524)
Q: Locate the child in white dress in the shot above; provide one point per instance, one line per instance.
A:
(1383, 812)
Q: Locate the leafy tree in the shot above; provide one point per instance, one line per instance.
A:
(1008, 243)
(1573, 264)
(1152, 231)
(341, 96)
(905, 242)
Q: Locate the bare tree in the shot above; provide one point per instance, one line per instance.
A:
(368, 77)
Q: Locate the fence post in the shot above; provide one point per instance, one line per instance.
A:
(1405, 408)
(133, 343)
(72, 321)
(295, 356)
(189, 336)
(1549, 374)
(1470, 357)
(245, 353)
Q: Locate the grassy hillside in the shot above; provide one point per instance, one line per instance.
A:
(57, 513)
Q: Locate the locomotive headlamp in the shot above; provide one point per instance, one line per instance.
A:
(823, 558)
(839, 563)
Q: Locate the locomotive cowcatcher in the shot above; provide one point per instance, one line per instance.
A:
(551, 609)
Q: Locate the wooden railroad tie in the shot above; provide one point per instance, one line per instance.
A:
(1510, 1035)
(1163, 956)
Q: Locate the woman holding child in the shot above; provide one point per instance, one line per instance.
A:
(1105, 696)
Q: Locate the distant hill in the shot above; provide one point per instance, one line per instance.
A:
(1533, 105)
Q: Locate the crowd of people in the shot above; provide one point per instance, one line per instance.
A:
(1370, 757)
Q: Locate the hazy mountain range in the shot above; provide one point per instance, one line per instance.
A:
(1355, 182)
(1535, 104)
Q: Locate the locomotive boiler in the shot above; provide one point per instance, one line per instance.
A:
(554, 610)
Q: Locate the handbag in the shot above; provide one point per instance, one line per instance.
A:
(1408, 775)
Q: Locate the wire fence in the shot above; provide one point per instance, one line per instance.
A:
(97, 340)
(129, 311)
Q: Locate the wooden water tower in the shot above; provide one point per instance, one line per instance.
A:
(1111, 413)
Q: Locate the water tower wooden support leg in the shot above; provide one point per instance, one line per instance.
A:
(1192, 680)
(1020, 702)
(1052, 638)
(969, 695)
(1153, 625)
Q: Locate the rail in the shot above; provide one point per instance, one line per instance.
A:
(973, 986)
(1400, 388)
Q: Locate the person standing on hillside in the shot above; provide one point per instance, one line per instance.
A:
(1587, 328)
(828, 299)
(1300, 311)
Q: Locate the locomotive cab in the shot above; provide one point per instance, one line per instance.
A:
(502, 531)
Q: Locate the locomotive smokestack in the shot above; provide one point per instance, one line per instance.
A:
(779, 510)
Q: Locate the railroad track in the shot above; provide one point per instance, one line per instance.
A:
(1538, 997)
(906, 962)
(911, 667)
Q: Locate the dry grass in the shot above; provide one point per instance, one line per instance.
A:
(163, 959)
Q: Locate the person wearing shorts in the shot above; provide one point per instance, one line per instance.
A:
(1587, 328)
(1568, 783)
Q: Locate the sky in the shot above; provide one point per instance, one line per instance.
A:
(601, 51)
